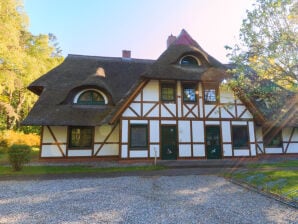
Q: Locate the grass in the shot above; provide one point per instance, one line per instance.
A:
(42, 170)
(277, 178)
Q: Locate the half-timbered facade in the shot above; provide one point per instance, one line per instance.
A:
(173, 108)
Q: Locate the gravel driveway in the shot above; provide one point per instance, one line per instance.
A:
(178, 199)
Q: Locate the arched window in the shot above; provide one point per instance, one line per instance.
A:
(190, 60)
(90, 97)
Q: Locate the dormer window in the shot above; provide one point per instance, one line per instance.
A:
(90, 97)
(189, 60)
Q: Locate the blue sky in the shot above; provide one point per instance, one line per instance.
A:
(106, 27)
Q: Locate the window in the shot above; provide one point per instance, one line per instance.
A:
(189, 93)
(91, 97)
(240, 136)
(189, 60)
(168, 92)
(273, 139)
(210, 94)
(80, 137)
(138, 136)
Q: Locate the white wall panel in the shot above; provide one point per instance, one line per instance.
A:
(251, 131)
(241, 152)
(227, 150)
(215, 113)
(198, 150)
(259, 134)
(164, 112)
(168, 122)
(184, 150)
(85, 152)
(154, 148)
(212, 122)
(138, 154)
(52, 151)
(184, 131)
(240, 109)
(154, 112)
(109, 150)
(239, 123)
(151, 91)
(139, 122)
(225, 114)
(101, 132)
(128, 113)
(253, 150)
(208, 109)
(247, 114)
(124, 151)
(124, 131)
(154, 131)
(198, 131)
(273, 150)
(226, 131)
(293, 148)
(136, 107)
(60, 132)
(138, 97)
(260, 148)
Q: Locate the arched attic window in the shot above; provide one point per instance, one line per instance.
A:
(90, 97)
(190, 60)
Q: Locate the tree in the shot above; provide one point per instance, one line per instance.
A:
(268, 47)
(23, 58)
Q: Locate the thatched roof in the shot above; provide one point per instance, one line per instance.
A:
(118, 78)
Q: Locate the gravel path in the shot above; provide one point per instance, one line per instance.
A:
(179, 199)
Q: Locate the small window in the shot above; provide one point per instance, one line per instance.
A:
(138, 136)
(81, 137)
(273, 139)
(240, 136)
(168, 92)
(91, 97)
(210, 94)
(189, 93)
(189, 60)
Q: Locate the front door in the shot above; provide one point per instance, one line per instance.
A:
(213, 147)
(168, 142)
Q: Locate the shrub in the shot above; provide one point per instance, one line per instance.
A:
(12, 137)
(18, 155)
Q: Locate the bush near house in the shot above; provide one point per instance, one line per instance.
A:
(18, 155)
(9, 138)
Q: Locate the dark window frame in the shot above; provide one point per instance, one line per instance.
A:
(211, 88)
(171, 86)
(189, 86)
(70, 137)
(235, 134)
(269, 140)
(138, 147)
(92, 101)
(189, 60)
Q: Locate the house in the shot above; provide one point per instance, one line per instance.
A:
(173, 108)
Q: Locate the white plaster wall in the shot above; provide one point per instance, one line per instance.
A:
(168, 122)
(136, 107)
(147, 107)
(226, 131)
(60, 132)
(198, 150)
(239, 123)
(84, 152)
(124, 151)
(253, 150)
(241, 152)
(138, 154)
(138, 97)
(286, 133)
(208, 108)
(215, 113)
(293, 148)
(198, 131)
(153, 148)
(184, 131)
(226, 96)
(259, 134)
(154, 131)
(212, 122)
(261, 145)
(128, 113)
(184, 150)
(101, 132)
(273, 150)
(179, 98)
(225, 114)
(201, 108)
(227, 150)
(251, 131)
(124, 131)
(109, 150)
(52, 151)
(139, 122)
(151, 91)
(240, 109)
(247, 115)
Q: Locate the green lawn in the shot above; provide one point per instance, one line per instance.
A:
(41, 170)
(277, 178)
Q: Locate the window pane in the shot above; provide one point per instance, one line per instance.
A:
(97, 98)
(138, 136)
(91, 97)
(168, 92)
(273, 139)
(81, 137)
(189, 60)
(210, 95)
(189, 94)
(240, 136)
(85, 97)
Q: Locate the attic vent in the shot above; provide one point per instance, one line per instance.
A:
(100, 72)
(190, 60)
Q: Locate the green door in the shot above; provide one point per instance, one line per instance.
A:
(213, 147)
(168, 142)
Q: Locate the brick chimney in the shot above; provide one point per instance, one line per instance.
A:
(171, 39)
(126, 54)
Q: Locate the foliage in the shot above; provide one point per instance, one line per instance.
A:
(18, 155)
(23, 58)
(10, 137)
(267, 50)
